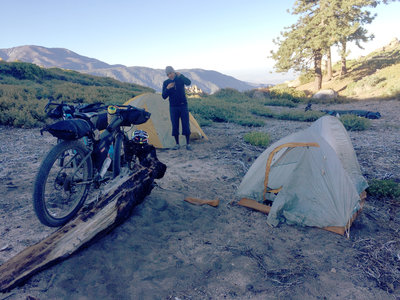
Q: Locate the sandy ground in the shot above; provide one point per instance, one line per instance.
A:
(170, 249)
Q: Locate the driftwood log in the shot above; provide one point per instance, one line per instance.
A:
(112, 207)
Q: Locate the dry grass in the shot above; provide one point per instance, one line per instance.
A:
(380, 261)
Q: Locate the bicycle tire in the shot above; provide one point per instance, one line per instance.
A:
(117, 159)
(58, 187)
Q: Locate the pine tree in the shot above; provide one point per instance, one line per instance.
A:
(347, 18)
(321, 24)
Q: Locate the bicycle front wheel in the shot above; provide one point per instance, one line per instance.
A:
(62, 183)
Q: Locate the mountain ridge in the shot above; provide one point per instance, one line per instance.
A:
(207, 80)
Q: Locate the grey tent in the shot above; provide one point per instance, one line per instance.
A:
(312, 178)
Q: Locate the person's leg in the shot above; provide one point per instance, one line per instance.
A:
(174, 114)
(188, 147)
(186, 125)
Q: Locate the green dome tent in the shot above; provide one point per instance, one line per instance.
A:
(312, 178)
(159, 125)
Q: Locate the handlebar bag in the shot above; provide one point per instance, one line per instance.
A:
(71, 129)
(134, 116)
(100, 121)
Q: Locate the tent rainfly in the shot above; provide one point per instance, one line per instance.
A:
(159, 125)
(312, 178)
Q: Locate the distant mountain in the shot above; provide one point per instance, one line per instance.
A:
(208, 81)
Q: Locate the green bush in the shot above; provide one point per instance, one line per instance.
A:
(202, 122)
(280, 102)
(260, 139)
(249, 121)
(284, 92)
(298, 115)
(244, 110)
(306, 77)
(231, 95)
(262, 111)
(355, 123)
(258, 93)
(26, 88)
(219, 110)
(384, 188)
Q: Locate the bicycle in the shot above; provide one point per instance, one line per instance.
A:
(90, 142)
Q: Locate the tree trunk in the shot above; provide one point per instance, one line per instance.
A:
(318, 69)
(343, 70)
(329, 74)
(99, 217)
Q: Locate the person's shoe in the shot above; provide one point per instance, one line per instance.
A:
(176, 147)
(188, 147)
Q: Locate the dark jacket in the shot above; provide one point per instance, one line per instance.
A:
(176, 94)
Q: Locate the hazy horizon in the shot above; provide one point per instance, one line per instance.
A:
(231, 37)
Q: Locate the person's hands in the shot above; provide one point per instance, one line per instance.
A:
(177, 74)
(170, 85)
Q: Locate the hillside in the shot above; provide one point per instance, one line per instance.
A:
(376, 75)
(25, 89)
(206, 80)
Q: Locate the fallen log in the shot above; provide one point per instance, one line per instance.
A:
(105, 212)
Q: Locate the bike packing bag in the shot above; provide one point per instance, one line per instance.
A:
(134, 116)
(71, 129)
(55, 113)
(100, 121)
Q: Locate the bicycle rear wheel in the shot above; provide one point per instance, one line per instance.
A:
(62, 183)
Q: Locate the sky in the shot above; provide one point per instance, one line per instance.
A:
(233, 37)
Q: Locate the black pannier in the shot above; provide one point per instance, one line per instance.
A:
(71, 129)
(134, 116)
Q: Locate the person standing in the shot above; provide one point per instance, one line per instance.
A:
(174, 88)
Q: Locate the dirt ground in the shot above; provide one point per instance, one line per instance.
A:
(170, 249)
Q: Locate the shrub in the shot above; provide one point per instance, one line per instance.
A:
(280, 102)
(292, 94)
(25, 89)
(249, 121)
(261, 139)
(384, 188)
(219, 110)
(258, 93)
(306, 77)
(355, 123)
(298, 115)
(262, 111)
(202, 122)
(231, 95)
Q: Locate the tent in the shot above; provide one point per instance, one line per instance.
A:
(312, 178)
(159, 125)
